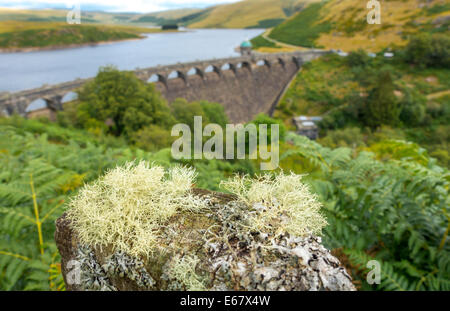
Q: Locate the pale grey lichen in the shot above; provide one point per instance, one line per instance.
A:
(125, 266)
(95, 276)
(92, 275)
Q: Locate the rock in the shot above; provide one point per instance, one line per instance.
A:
(210, 250)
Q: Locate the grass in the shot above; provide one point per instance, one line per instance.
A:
(303, 29)
(260, 42)
(48, 15)
(249, 14)
(342, 24)
(17, 35)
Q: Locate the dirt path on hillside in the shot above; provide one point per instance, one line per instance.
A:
(265, 35)
(438, 94)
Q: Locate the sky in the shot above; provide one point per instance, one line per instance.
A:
(113, 5)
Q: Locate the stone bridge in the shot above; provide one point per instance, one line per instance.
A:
(245, 85)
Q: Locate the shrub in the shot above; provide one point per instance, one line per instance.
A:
(348, 137)
(185, 112)
(426, 50)
(358, 58)
(264, 119)
(215, 113)
(413, 108)
(382, 105)
(152, 138)
(123, 101)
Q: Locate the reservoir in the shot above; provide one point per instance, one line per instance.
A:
(28, 70)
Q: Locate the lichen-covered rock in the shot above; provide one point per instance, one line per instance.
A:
(214, 248)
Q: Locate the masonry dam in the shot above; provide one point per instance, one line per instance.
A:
(245, 86)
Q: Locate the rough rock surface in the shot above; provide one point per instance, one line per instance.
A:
(205, 251)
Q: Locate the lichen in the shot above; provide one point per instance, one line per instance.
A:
(181, 275)
(127, 207)
(124, 266)
(278, 204)
(150, 231)
(92, 275)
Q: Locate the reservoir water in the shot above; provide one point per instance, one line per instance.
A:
(21, 71)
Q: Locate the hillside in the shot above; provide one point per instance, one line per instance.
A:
(341, 24)
(49, 15)
(180, 16)
(17, 35)
(250, 14)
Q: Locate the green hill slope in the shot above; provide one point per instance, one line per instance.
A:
(17, 35)
(342, 24)
(250, 13)
(7, 14)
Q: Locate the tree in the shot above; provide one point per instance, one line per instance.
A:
(427, 50)
(215, 113)
(382, 105)
(122, 102)
(358, 58)
(262, 119)
(185, 112)
(413, 108)
(152, 138)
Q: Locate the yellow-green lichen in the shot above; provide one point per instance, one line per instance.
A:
(278, 204)
(181, 271)
(127, 207)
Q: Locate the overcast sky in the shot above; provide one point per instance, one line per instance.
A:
(113, 5)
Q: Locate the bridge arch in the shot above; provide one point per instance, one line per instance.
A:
(228, 66)
(213, 68)
(263, 62)
(177, 74)
(157, 78)
(69, 97)
(36, 104)
(196, 71)
(244, 65)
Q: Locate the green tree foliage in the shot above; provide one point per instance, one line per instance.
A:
(215, 113)
(152, 138)
(382, 104)
(413, 108)
(121, 103)
(358, 58)
(185, 112)
(262, 119)
(348, 137)
(429, 50)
